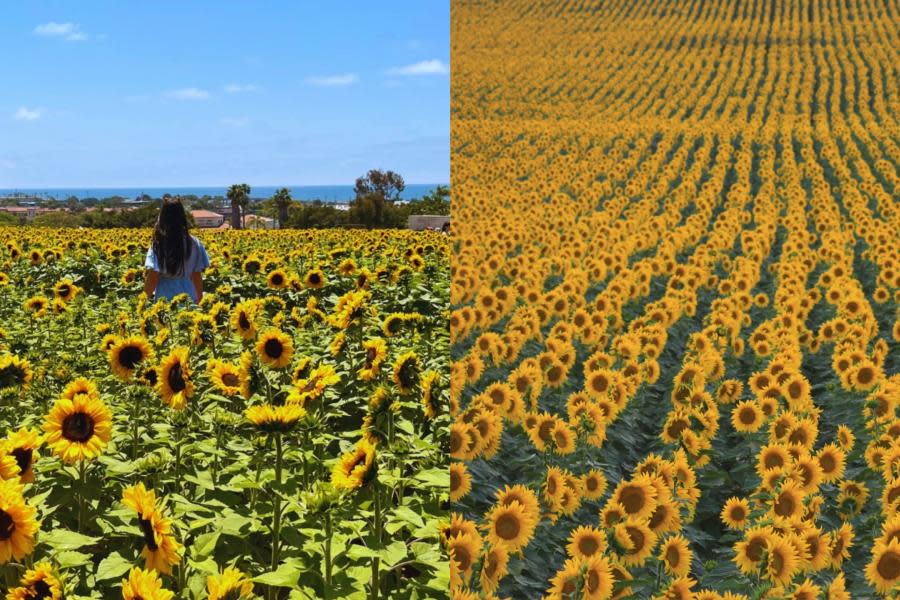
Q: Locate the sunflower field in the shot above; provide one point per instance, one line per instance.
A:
(283, 438)
(674, 325)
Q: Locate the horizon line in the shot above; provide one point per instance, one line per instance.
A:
(156, 187)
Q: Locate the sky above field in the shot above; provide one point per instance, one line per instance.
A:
(211, 93)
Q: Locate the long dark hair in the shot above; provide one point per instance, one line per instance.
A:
(172, 243)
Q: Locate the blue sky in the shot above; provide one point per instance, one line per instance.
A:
(211, 93)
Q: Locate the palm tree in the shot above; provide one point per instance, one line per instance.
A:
(282, 199)
(239, 195)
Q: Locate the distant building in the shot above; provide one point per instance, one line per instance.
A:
(207, 218)
(258, 222)
(27, 213)
(432, 222)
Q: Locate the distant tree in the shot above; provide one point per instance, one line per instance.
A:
(8, 218)
(375, 189)
(435, 203)
(282, 199)
(56, 219)
(239, 195)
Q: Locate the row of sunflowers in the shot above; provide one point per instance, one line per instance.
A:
(282, 438)
(675, 324)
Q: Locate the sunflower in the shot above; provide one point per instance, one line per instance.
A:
(637, 497)
(37, 305)
(598, 578)
(510, 526)
(175, 385)
(676, 555)
(748, 553)
(494, 567)
(314, 279)
(636, 539)
(273, 419)
(22, 445)
(226, 377)
(747, 416)
(355, 468)
(243, 319)
(144, 585)
(883, 571)
(17, 523)
(126, 354)
(736, 513)
(65, 290)
(460, 481)
(463, 550)
(841, 542)
(79, 428)
(594, 484)
(230, 584)
(14, 372)
(585, 541)
(161, 551)
(277, 279)
(313, 386)
(376, 350)
(429, 407)
(275, 348)
(565, 582)
(782, 561)
(788, 502)
(39, 582)
(406, 372)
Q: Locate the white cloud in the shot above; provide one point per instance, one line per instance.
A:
(237, 88)
(28, 114)
(70, 32)
(188, 93)
(425, 67)
(234, 121)
(333, 80)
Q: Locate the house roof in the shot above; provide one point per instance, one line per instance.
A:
(205, 214)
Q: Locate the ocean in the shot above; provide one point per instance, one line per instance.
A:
(326, 193)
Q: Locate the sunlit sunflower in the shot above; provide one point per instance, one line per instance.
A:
(37, 305)
(226, 377)
(736, 513)
(585, 541)
(17, 522)
(598, 578)
(747, 416)
(355, 468)
(243, 320)
(635, 539)
(175, 385)
(676, 555)
(161, 551)
(494, 567)
(38, 582)
(144, 585)
(749, 552)
(510, 526)
(22, 446)
(313, 386)
(781, 563)
(230, 584)
(314, 279)
(65, 290)
(273, 419)
(275, 348)
(277, 279)
(429, 407)
(126, 354)
(376, 350)
(460, 481)
(406, 372)
(79, 428)
(637, 497)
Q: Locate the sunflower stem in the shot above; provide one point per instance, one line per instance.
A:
(376, 535)
(81, 484)
(135, 409)
(328, 534)
(276, 501)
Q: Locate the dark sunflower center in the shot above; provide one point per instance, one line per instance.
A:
(632, 498)
(588, 546)
(408, 373)
(130, 356)
(889, 566)
(243, 321)
(7, 526)
(277, 279)
(41, 591)
(273, 348)
(78, 427)
(149, 534)
(150, 376)
(23, 458)
(508, 527)
(371, 353)
(315, 279)
(230, 379)
(176, 378)
(64, 290)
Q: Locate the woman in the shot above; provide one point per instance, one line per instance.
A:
(176, 259)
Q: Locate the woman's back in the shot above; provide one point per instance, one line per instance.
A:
(175, 259)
